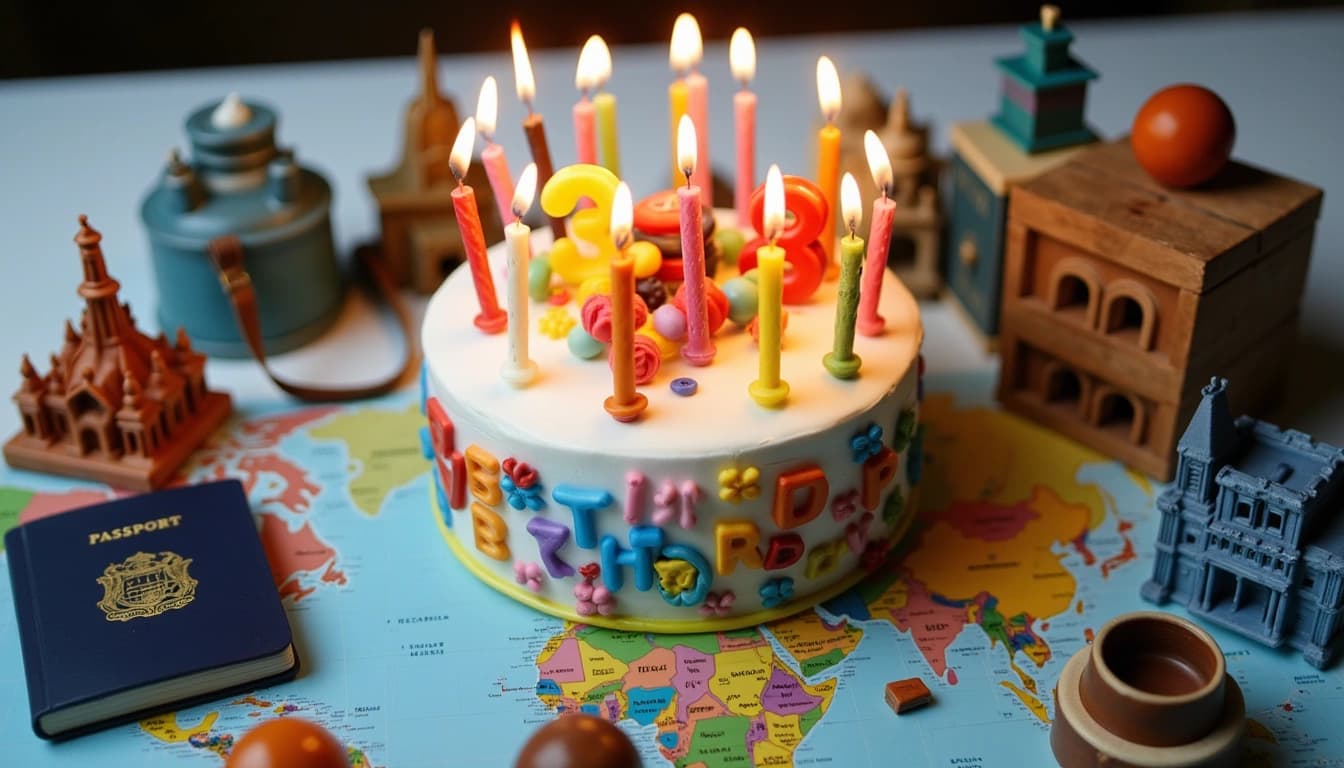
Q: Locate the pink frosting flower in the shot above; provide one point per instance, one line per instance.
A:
(528, 574)
(593, 599)
(596, 314)
(845, 504)
(717, 604)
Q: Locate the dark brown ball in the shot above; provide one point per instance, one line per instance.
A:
(578, 741)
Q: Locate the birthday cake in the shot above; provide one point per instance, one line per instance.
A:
(708, 511)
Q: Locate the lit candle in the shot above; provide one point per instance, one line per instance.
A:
(879, 237)
(828, 154)
(605, 105)
(742, 60)
(689, 95)
(533, 125)
(491, 319)
(769, 390)
(841, 360)
(492, 157)
(585, 116)
(625, 403)
(699, 349)
(519, 369)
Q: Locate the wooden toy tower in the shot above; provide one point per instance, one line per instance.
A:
(1038, 126)
(421, 242)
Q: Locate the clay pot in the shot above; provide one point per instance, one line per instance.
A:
(1151, 690)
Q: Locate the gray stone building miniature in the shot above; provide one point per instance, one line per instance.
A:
(1252, 532)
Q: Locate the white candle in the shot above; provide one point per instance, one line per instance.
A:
(519, 369)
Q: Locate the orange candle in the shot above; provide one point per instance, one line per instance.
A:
(828, 156)
(625, 403)
(689, 95)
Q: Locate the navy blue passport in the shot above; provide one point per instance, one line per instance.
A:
(145, 604)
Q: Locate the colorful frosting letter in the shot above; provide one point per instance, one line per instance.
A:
(736, 540)
(583, 502)
(551, 536)
(810, 480)
(492, 533)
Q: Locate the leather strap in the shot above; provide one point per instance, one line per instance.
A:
(227, 254)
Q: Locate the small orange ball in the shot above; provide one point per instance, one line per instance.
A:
(288, 742)
(1183, 135)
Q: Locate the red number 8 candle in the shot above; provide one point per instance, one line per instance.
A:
(804, 257)
(491, 319)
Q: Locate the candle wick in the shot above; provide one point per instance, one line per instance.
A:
(687, 173)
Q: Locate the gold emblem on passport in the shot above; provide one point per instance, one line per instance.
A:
(146, 585)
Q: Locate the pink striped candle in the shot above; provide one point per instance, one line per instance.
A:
(684, 55)
(697, 108)
(492, 156)
(871, 323)
(699, 349)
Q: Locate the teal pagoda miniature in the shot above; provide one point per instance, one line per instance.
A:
(1039, 126)
(1044, 90)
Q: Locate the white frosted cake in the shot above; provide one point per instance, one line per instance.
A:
(709, 511)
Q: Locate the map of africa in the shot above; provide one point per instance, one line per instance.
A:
(1024, 546)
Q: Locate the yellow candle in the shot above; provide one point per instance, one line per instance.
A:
(605, 104)
(686, 50)
(828, 156)
(769, 390)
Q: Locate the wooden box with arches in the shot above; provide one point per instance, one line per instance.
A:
(1122, 297)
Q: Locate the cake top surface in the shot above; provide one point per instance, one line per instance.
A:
(564, 406)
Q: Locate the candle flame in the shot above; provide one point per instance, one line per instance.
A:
(687, 48)
(851, 204)
(460, 158)
(686, 148)
(523, 83)
(828, 88)
(742, 56)
(594, 65)
(879, 162)
(525, 190)
(622, 215)
(487, 108)
(774, 204)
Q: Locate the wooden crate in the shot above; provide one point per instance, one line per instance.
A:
(1122, 297)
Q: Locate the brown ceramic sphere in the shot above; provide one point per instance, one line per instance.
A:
(1183, 135)
(288, 742)
(578, 741)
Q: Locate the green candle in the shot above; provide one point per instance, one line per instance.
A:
(841, 360)
(605, 104)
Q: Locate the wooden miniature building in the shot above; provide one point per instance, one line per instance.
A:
(1038, 126)
(116, 406)
(1123, 297)
(916, 228)
(421, 243)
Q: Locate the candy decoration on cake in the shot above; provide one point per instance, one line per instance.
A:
(841, 360)
(870, 323)
(533, 125)
(742, 60)
(491, 318)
